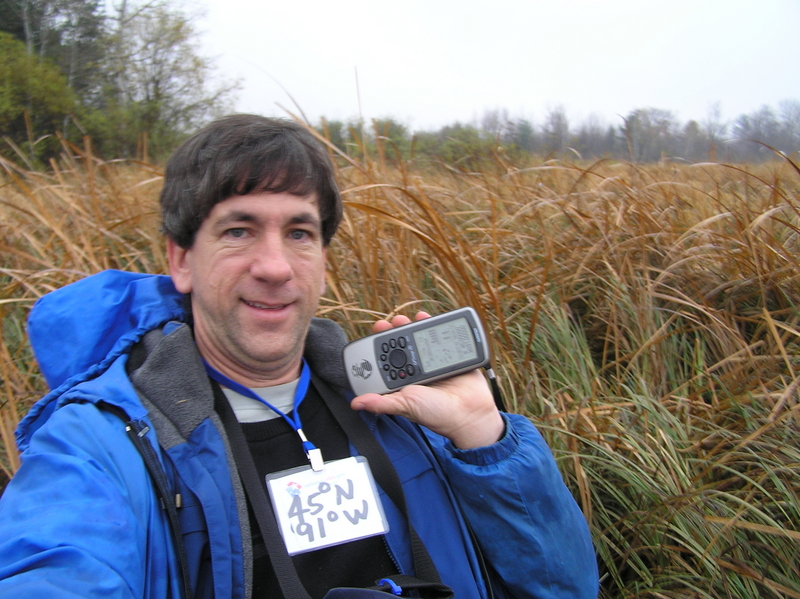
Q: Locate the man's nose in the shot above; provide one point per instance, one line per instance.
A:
(270, 261)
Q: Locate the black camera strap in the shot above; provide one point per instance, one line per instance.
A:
(262, 508)
(357, 431)
(382, 468)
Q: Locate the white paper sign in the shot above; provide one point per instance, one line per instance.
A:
(336, 505)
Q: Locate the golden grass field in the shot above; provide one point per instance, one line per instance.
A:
(646, 317)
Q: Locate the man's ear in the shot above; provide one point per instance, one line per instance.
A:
(179, 267)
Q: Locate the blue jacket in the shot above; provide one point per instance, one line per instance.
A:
(80, 517)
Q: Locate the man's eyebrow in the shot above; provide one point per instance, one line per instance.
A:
(306, 218)
(241, 216)
(237, 216)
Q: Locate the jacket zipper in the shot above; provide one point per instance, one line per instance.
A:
(170, 502)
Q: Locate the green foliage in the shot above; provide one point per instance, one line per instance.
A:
(458, 144)
(35, 100)
(521, 135)
(70, 33)
(11, 18)
(135, 69)
(386, 139)
(334, 132)
(392, 139)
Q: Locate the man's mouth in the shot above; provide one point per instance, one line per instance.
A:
(260, 306)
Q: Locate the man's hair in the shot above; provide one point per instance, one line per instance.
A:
(239, 155)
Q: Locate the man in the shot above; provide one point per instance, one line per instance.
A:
(175, 398)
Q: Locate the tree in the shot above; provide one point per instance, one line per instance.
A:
(494, 123)
(334, 132)
(591, 138)
(651, 134)
(77, 44)
(23, 19)
(155, 87)
(789, 111)
(695, 142)
(34, 100)
(68, 32)
(556, 131)
(460, 143)
(754, 131)
(392, 138)
(135, 69)
(714, 129)
(520, 135)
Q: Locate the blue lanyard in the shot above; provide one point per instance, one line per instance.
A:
(313, 454)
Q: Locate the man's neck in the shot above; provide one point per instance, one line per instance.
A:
(256, 379)
(276, 397)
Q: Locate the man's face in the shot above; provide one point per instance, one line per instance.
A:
(256, 271)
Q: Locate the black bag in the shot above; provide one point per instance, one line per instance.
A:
(398, 585)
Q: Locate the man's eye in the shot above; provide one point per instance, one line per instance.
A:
(237, 232)
(299, 234)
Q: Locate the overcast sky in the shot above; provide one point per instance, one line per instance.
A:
(429, 63)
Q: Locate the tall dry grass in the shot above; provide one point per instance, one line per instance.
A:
(645, 317)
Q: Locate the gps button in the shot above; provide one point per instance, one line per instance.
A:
(397, 358)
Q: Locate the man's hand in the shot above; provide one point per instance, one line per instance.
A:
(460, 408)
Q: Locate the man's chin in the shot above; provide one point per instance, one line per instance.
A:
(274, 349)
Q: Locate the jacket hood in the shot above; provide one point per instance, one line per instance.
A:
(78, 330)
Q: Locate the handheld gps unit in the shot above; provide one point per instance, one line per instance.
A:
(420, 352)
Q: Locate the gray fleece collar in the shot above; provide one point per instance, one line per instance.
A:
(324, 344)
(173, 378)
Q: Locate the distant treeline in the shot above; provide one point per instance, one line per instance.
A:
(644, 135)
